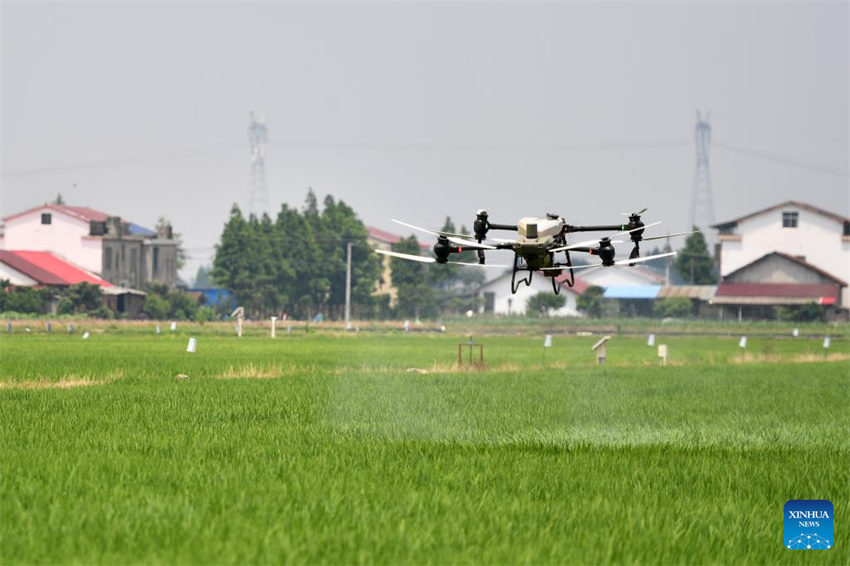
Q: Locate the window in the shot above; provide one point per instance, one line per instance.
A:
(789, 219)
(847, 228)
(107, 258)
(155, 260)
(134, 259)
(46, 218)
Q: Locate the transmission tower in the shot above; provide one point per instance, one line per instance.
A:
(259, 192)
(702, 201)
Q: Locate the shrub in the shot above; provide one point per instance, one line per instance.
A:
(673, 307)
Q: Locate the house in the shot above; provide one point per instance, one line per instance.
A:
(119, 251)
(383, 240)
(498, 299)
(623, 276)
(778, 279)
(44, 269)
(811, 244)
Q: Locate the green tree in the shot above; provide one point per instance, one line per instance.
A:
(672, 307)
(156, 307)
(590, 302)
(543, 303)
(81, 298)
(59, 200)
(296, 242)
(340, 225)
(204, 277)
(238, 264)
(24, 300)
(410, 278)
(694, 262)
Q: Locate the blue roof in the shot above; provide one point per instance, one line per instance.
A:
(137, 230)
(632, 291)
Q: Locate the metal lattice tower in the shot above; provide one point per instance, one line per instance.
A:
(259, 192)
(702, 201)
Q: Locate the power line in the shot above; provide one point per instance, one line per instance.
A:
(780, 159)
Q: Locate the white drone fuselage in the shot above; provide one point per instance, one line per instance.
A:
(534, 238)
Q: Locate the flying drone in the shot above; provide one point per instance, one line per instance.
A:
(538, 243)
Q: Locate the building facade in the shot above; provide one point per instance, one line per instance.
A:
(814, 236)
(120, 252)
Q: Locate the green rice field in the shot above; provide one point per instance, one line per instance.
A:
(327, 447)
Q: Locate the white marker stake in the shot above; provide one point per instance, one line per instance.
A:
(158, 329)
(662, 353)
(743, 342)
(547, 342)
(289, 330)
(85, 336)
(173, 326)
(651, 340)
(407, 326)
(274, 321)
(193, 343)
(796, 332)
(826, 342)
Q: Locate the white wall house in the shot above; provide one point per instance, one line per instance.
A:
(63, 230)
(497, 297)
(818, 237)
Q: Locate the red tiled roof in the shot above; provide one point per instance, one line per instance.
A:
(84, 213)
(795, 290)
(47, 269)
(390, 238)
(787, 203)
(383, 235)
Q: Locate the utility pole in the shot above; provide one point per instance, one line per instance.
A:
(348, 289)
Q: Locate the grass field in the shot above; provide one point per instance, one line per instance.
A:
(324, 448)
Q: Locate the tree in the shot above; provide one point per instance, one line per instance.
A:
(590, 302)
(672, 307)
(204, 277)
(415, 292)
(156, 307)
(543, 303)
(694, 262)
(81, 298)
(24, 299)
(339, 226)
(59, 200)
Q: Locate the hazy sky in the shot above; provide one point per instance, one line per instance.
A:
(418, 111)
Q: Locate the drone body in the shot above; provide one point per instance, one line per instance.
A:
(537, 246)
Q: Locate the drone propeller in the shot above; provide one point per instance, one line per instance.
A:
(635, 213)
(425, 259)
(619, 262)
(670, 236)
(645, 258)
(459, 239)
(419, 258)
(592, 242)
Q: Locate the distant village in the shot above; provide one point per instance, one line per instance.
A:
(790, 260)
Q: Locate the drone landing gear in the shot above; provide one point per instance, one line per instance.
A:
(525, 279)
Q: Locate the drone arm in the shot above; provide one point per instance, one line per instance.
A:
(611, 228)
(511, 227)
